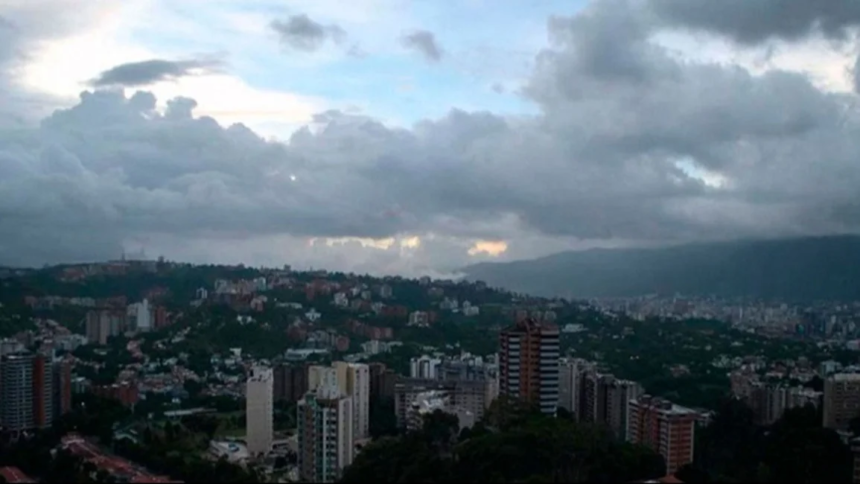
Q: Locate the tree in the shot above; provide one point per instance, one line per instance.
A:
(522, 446)
(383, 420)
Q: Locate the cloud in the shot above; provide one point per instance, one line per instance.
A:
(424, 43)
(753, 22)
(299, 32)
(625, 149)
(135, 74)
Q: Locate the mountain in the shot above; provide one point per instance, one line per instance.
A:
(801, 269)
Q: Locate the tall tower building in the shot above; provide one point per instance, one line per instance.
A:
(258, 410)
(354, 382)
(841, 400)
(325, 425)
(666, 428)
(291, 382)
(43, 391)
(62, 387)
(26, 392)
(528, 363)
(16, 394)
(618, 396)
(347, 380)
(571, 372)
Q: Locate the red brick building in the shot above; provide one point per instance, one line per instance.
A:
(666, 428)
(125, 392)
(528, 363)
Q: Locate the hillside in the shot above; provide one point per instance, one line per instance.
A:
(802, 269)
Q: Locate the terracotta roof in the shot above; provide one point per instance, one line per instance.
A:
(14, 475)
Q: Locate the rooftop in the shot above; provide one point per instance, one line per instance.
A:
(14, 475)
(845, 377)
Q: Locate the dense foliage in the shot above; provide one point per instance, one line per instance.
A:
(794, 449)
(174, 449)
(510, 445)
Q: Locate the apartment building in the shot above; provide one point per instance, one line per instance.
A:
(382, 381)
(468, 395)
(29, 396)
(290, 382)
(841, 400)
(325, 439)
(424, 367)
(770, 401)
(348, 380)
(570, 375)
(103, 323)
(354, 382)
(259, 400)
(429, 402)
(666, 428)
(528, 363)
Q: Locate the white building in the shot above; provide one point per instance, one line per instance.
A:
(325, 440)
(570, 373)
(426, 403)
(341, 300)
(258, 410)
(354, 382)
(419, 318)
(424, 367)
(141, 314)
(348, 380)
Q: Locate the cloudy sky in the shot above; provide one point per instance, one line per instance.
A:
(412, 137)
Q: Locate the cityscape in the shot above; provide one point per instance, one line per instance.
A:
(395, 241)
(315, 367)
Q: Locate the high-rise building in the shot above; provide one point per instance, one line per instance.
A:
(43, 391)
(769, 401)
(382, 381)
(26, 392)
(62, 387)
(666, 428)
(354, 382)
(528, 363)
(258, 410)
(570, 375)
(325, 440)
(350, 380)
(618, 395)
(291, 382)
(104, 323)
(16, 393)
(841, 400)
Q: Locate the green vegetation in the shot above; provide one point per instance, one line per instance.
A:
(648, 351)
(512, 444)
(795, 449)
(174, 449)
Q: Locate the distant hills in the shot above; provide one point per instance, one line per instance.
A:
(801, 269)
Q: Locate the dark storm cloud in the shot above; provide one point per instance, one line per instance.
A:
(300, 32)
(629, 144)
(754, 21)
(135, 74)
(424, 43)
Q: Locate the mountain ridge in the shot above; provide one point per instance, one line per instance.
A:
(802, 268)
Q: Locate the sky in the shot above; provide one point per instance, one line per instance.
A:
(415, 137)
